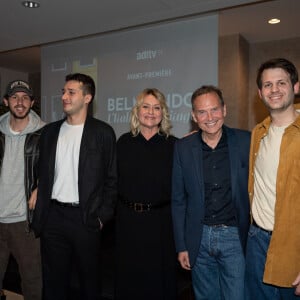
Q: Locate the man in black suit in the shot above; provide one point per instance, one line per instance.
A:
(76, 193)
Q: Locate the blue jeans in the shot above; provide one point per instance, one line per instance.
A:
(257, 247)
(218, 273)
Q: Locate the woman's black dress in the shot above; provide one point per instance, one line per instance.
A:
(145, 252)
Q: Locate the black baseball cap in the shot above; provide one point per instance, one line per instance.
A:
(18, 86)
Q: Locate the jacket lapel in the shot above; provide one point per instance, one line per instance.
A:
(52, 152)
(83, 152)
(234, 158)
(197, 159)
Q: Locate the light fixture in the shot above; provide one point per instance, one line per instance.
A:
(31, 4)
(274, 21)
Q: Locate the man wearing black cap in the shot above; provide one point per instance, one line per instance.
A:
(20, 130)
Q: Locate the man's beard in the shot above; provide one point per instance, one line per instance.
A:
(281, 108)
(18, 116)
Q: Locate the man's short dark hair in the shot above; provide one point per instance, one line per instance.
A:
(207, 89)
(281, 63)
(88, 84)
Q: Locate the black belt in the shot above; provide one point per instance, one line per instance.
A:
(269, 232)
(143, 207)
(65, 204)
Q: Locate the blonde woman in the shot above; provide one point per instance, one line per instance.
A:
(145, 253)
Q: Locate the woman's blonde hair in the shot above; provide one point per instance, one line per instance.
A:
(164, 126)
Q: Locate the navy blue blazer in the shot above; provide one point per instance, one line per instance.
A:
(188, 189)
(97, 173)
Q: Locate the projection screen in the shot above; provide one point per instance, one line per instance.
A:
(175, 57)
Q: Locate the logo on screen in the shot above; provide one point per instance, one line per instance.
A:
(148, 54)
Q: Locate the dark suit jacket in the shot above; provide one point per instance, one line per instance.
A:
(188, 189)
(97, 173)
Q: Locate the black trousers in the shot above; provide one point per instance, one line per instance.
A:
(66, 243)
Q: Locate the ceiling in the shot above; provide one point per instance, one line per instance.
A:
(57, 20)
